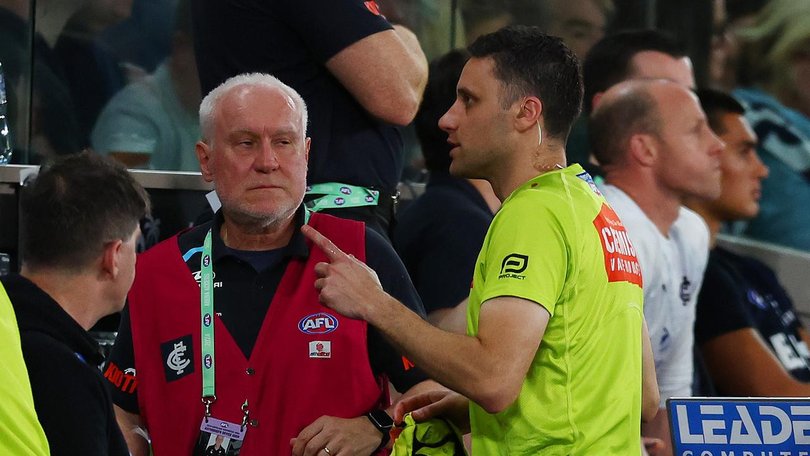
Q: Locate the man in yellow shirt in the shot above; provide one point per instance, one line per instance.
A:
(551, 363)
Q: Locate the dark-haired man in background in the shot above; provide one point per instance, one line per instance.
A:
(78, 250)
(631, 54)
(552, 327)
(751, 339)
(439, 235)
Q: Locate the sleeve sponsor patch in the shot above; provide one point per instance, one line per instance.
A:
(373, 7)
(123, 380)
(621, 263)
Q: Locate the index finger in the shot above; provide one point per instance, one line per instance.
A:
(414, 403)
(328, 247)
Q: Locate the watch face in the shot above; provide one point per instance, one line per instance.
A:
(381, 419)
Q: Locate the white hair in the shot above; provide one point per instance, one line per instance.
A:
(211, 101)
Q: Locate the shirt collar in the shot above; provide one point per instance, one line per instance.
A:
(297, 247)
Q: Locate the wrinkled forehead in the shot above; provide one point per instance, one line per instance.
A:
(252, 104)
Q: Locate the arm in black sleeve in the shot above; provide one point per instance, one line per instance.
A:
(380, 257)
(119, 370)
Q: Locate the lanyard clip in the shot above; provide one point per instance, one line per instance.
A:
(207, 401)
(245, 414)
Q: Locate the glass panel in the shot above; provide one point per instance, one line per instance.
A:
(117, 76)
(15, 52)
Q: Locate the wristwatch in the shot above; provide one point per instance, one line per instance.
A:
(383, 423)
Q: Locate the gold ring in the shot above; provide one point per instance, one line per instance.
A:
(326, 450)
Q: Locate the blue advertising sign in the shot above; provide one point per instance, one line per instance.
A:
(711, 426)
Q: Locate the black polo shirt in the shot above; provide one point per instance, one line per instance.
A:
(438, 238)
(292, 40)
(70, 397)
(252, 279)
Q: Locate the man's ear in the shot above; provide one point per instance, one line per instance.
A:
(307, 143)
(110, 258)
(203, 152)
(529, 114)
(643, 149)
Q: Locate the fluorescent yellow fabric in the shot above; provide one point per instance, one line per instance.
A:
(556, 242)
(434, 437)
(20, 432)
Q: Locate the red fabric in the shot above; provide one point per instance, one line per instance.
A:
(289, 389)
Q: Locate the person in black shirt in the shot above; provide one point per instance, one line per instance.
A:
(747, 329)
(216, 449)
(79, 262)
(361, 77)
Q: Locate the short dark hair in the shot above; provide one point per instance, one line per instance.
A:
(608, 61)
(529, 62)
(440, 94)
(716, 103)
(74, 206)
(613, 123)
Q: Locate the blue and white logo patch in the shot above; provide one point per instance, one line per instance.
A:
(589, 180)
(318, 323)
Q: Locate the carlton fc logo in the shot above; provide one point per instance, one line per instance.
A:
(318, 323)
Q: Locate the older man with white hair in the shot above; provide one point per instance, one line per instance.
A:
(224, 331)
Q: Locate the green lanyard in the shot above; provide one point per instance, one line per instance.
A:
(337, 195)
(207, 324)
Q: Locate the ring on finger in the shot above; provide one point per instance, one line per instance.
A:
(326, 450)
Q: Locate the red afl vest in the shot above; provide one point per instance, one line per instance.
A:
(308, 360)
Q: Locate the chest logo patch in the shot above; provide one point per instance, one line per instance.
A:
(320, 349)
(318, 323)
(621, 263)
(178, 358)
(686, 291)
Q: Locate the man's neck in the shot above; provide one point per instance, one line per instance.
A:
(526, 166)
(485, 190)
(76, 293)
(661, 207)
(258, 236)
(714, 223)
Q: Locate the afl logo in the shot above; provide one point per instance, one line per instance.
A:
(319, 323)
(207, 319)
(208, 361)
(340, 201)
(206, 261)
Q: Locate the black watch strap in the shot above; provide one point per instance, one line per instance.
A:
(383, 423)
